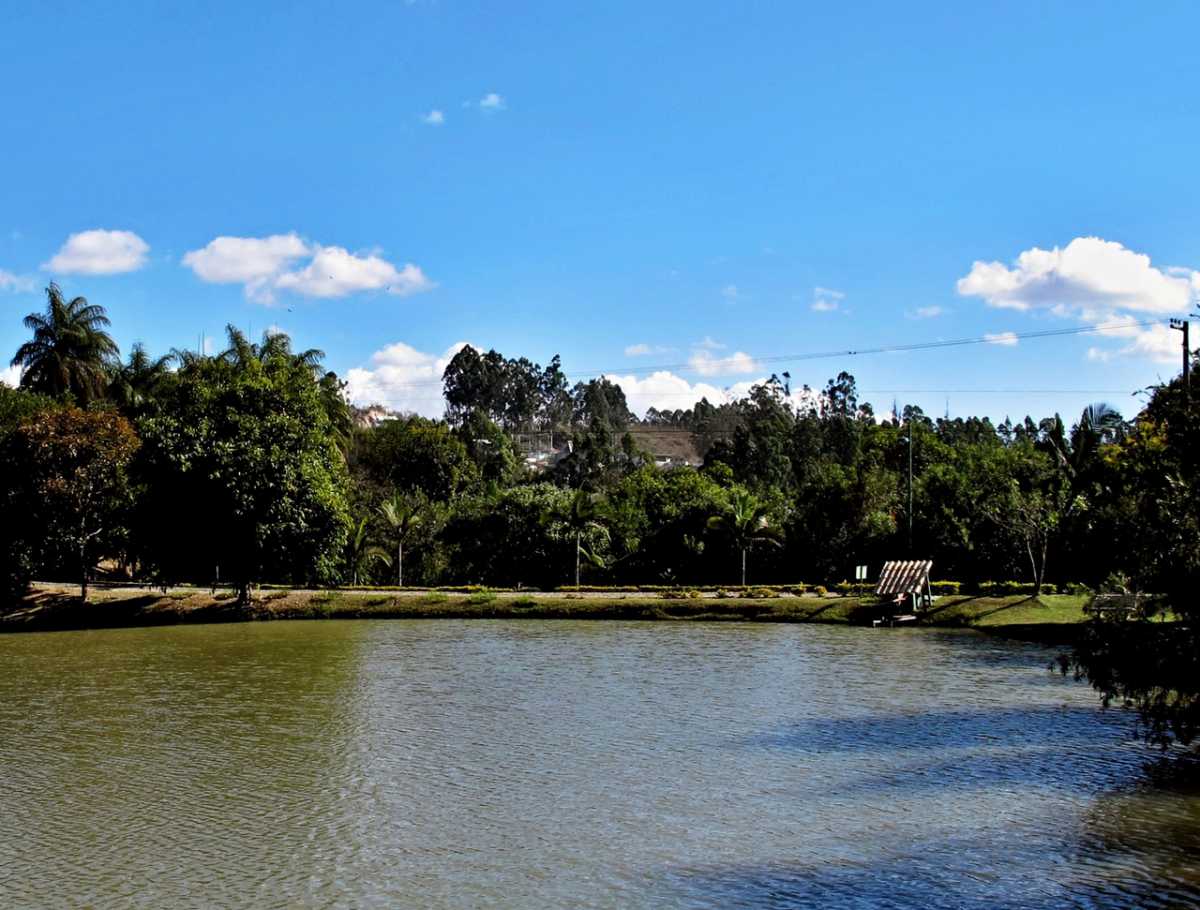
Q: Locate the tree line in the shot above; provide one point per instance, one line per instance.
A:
(247, 466)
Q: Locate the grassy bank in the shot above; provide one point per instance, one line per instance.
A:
(1050, 618)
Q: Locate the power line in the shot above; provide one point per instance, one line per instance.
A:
(715, 363)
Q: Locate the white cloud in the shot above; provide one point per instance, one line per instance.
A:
(434, 118)
(1005, 339)
(252, 261)
(826, 300)
(10, 281)
(99, 252)
(1091, 279)
(737, 363)
(926, 312)
(10, 376)
(731, 292)
(336, 272)
(265, 264)
(402, 378)
(1087, 272)
(492, 102)
(641, 350)
(708, 342)
(665, 390)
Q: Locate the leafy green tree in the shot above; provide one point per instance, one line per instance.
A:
(509, 537)
(243, 449)
(70, 351)
(745, 523)
(1154, 511)
(19, 543)
(489, 447)
(135, 383)
(412, 454)
(74, 466)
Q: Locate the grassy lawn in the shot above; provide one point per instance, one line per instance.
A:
(51, 607)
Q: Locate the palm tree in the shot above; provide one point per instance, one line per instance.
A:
(70, 350)
(404, 515)
(585, 513)
(746, 524)
(360, 552)
(135, 382)
(241, 351)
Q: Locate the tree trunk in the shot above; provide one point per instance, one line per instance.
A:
(577, 539)
(83, 568)
(743, 567)
(400, 564)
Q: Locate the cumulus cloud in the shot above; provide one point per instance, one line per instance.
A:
(402, 378)
(1159, 343)
(434, 118)
(708, 342)
(10, 281)
(336, 272)
(1093, 280)
(737, 363)
(665, 390)
(1087, 272)
(99, 252)
(251, 261)
(1005, 339)
(10, 376)
(826, 300)
(264, 265)
(492, 102)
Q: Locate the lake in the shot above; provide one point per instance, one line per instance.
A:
(533, 764)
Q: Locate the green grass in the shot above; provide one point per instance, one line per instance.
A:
(1042, 618)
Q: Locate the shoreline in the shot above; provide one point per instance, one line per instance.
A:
(1052, 620)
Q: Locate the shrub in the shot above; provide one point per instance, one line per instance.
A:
(481, 597)
(525, 602)
(436, 597)
(945, 587)
(820, 590)
(677, 594)
(762, 592)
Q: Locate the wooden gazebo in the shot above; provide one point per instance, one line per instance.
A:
(906, 582)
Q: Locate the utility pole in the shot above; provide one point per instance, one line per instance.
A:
(910, 487)
(1182, 325)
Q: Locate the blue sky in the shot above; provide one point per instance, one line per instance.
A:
(712, 184)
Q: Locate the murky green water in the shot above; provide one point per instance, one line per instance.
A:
(557, 764)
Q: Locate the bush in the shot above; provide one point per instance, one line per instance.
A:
(481, 597)
(676, 594)
(524, 602)
(945, 587)
(762, 592)
(820, 590)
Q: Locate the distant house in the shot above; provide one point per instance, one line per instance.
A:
(670, 448)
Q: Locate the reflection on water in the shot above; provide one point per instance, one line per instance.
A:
(559, 764)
